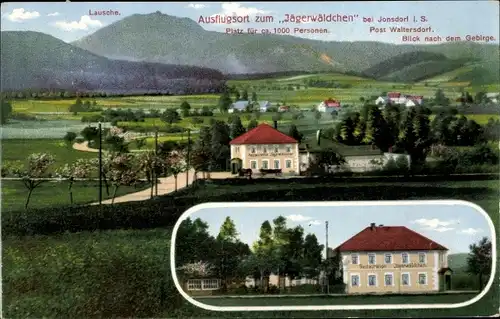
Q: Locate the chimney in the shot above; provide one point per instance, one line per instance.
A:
(275, 125)
(372, 226)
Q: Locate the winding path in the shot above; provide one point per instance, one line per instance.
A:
(166, 185)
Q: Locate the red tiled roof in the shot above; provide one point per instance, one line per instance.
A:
(389, 238)
(394, 94)
(263, 134)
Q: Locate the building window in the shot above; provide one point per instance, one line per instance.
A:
(372, 280)
(405, 279)
(276, 149)
(388, 280)
(253, 150)
(355, 281)
(288, 164)
(422, 279)
(288, 149)
(388, 258)
(422, 258)
(371, 259)
(253, 164)
(405, 258)
(276, 164)
(265, 164)
(264, 150)
(354, 259)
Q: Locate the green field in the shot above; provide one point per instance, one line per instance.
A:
(55, 193)
(19, 150)
(335, 300)
(124, 273)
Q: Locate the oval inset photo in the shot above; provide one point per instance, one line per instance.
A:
(334, 255)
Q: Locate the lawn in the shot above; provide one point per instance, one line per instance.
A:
(124, 273)
(55, 193)
(336, 300)
(20, 149)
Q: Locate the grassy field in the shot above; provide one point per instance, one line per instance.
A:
(125, 273)
(55, 193)
(20, 149)
(335, 301)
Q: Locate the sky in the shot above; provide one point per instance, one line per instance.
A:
(71, 21)
(455, 227)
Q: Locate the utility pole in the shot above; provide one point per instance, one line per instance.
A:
(188, 155)
(100, 165)
(326, 269)
(156, 166)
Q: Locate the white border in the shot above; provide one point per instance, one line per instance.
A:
(197, 208)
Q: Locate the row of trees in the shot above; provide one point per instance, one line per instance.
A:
(406, 129)
(279, 250)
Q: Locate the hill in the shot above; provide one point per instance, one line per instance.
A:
(36, 60)
(158, 37)
(413, 66)
(457, 262)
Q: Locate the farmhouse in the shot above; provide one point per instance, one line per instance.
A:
(393, 259)
(264, 106)
(264, 147)
(239, 106)
(398, 98)
(328, 106)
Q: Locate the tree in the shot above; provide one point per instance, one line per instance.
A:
(441, 99)
(122, 172)
(151, 165)
(244, 96)
(140, 143)
(5, 111)
(219, 142)
(90, 133)
(185, 108)
(254, 97)
(35, 173)
(70, 138)
(265, 259)
(224, 102)
(480, 97)
(312, 260)
(479, 259)
(170, 116)
(294, 132)
(325, 159)
(377, 131)
(197, 270)
(252, 124)
(81, 169)
(176, 164)
(202, 153)
(116, 143)
(236, 127)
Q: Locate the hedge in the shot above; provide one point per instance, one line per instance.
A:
(165, 210)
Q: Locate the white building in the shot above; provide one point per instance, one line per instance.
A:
(328, 106)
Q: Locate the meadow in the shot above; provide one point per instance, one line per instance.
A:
(20, 149)
(125, 273)
(55, 193)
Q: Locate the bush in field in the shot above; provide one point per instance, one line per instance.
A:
(69, 138)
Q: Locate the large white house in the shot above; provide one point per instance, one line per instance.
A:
(328, 106)
(401, 99)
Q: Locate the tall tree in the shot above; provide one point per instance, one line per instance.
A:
(440, 98)
(377, 131)
(254, 97)
(220, 139)
(252, 124)
(185, 108)
(5, 111)
(236, 127)
(228, 231)
(170, 116)
(312, 260)
(294, 132)
(479, 259)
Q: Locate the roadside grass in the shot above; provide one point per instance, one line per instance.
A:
(126, 273)
(55, 193)
(20, 149)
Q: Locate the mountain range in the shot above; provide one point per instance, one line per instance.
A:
(149, 48)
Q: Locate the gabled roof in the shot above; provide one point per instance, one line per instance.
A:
(393, 94)
(388, 238)
(264, 103)
(239, 105)
(263, 134)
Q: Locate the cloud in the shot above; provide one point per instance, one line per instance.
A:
(315, 223)
(19, 15)
(235, 8)
(298, 218)
(54, 14)
(470, 231)
(436, 224)
(197, 6)
(85, 23)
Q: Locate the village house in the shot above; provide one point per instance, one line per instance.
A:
(264, 106)
(328, 106)
(398, 98)
(242, 106)
(493, 97)
(264, 147)
(393, 259)
(283, 108)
